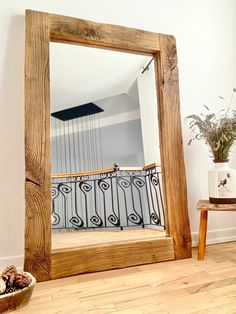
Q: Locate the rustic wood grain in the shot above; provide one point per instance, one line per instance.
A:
(73, 30)
(205, 205)
(67, 262)
(172, 156)
(37, 147)
(202, 234)
(40, 29)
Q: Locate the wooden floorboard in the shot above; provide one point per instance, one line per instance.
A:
(81, 239)
(183, 286)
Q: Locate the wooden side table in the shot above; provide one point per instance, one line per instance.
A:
(204, 206)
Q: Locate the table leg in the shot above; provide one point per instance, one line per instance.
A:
(202, 234)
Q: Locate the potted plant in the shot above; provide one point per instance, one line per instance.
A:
(219, 133)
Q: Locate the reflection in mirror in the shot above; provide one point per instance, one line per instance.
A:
(112, 84)
(104, 139)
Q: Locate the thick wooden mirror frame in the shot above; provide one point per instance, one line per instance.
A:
(41, 28)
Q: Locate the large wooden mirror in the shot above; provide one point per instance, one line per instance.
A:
(40, 259)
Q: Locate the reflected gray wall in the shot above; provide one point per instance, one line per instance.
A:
(120, 143)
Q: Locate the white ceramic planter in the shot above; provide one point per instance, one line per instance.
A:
(222, 184)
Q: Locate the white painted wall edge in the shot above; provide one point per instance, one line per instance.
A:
(17, 260)
(213, 237)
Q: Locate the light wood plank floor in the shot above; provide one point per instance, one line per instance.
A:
(81, 239)
(185, 286)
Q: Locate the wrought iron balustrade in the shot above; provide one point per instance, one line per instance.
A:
(116, 198)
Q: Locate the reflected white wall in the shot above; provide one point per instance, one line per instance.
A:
(148, 113)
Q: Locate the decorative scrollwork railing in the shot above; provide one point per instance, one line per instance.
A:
(113, 198)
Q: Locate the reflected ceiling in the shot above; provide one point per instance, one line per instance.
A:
(80, 75)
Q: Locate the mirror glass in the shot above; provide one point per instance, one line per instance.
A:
(104, 132)
(112, 84)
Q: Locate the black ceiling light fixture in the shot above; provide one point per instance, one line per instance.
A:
(77, 112)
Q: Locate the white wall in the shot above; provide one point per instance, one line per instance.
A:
(206, 42)
(148, 113)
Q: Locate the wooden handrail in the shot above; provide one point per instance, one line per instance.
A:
(81, 174)
(153, 165)
(106, 170)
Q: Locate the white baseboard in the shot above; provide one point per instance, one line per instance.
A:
(18, 261)
(216, 236)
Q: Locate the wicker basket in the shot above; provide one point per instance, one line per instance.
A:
(12, 301)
